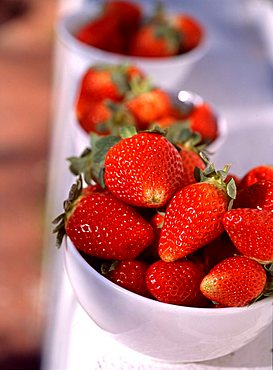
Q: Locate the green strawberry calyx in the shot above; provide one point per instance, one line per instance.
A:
(217, 178)
(90, 164)
(74, 195)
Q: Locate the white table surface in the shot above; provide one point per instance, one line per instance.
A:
(236, 77)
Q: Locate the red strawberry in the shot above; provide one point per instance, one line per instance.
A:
(109, 81)
(155, 39)
(175, 282)
(194, 215)
(234, 282)
(149, 107)
(256, 174)
(156, 221)
(190, 29)
(102, 226)
(130, 275)
(143, 169)
(258, 195)
(203, 121)
(189, 143)
(99, 31)
(217, 250)
(128, 15)
(251, 231)
(92, 115)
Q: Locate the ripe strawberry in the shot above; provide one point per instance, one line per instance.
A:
(92, 115)
(102, 226)
(143, 169)
(258, 195)
(108, 81)
(175, 282)
(251, 231)
(130, 275)
(217, 250)
(234, 282)
(149, 107)
(99, 31)
(190, 29)
(194, 215)
(128, 15)
(190, 150)
(155, 40)
(156, 221)
(256, 174)
(203, 120)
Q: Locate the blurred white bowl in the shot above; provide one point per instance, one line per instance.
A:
(159, 330)
(167, 73)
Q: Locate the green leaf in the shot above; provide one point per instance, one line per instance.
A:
(82, 165)
(128, 131)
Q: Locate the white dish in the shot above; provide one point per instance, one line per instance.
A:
(159, 330)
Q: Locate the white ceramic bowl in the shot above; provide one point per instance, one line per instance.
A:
(167, 73)
(163, 331)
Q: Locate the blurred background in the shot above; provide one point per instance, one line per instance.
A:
(26, 40)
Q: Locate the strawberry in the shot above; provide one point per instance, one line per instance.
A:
(255, 174)
(130, 275)
(93, 115)
(109, 81)
(251, 231)
(234, 282)
(98, 32)
(203, 120)
(128, 16)
(101, 225)
(217, 250)
(156, 221)
(258, 195)
(190, 30)
(175, 282)
(149, 106)
(190, 150)
(143, 169)
(194, 215)
(154, 40)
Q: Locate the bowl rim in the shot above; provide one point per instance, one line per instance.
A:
(70, 249)
(70, 42)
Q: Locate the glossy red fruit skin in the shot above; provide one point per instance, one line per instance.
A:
(104, 227)
(146, 43)
(175, 282)
(130, 275)
(96, 33)
(191, 31)
(92, 115)
(193, 219)
(251, 231)
(256, 174)
(190, 160)
(258, 195)
(234, 282)
(204, 121)
(144, 170)
(149, 106)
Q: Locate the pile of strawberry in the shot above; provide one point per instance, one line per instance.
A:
(122, 28)
(158, 219)
(112, 96)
